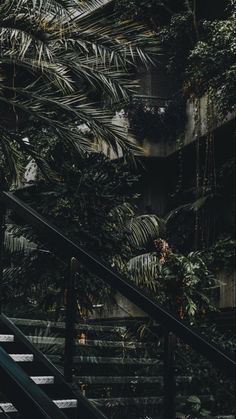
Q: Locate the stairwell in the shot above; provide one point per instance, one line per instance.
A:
(26, 373)
(121, 370)
(118, 366)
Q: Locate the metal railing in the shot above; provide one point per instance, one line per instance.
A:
(169, 322)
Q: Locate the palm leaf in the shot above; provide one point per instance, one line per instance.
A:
(144, 270)
(11, 275)
(61, 53)
(122, 214)
(14, 242)
(144, 229)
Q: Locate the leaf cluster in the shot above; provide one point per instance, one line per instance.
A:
(182, 283)
(63, 64)
(158, 123)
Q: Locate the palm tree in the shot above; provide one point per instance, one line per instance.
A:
(64, 63)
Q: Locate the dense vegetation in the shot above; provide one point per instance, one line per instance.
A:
(62, 66)
(184, 34)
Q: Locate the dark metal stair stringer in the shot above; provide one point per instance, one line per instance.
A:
(86, 410)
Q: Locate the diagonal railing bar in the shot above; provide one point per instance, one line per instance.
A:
(86, 409)
(127, 288)
(26, 395)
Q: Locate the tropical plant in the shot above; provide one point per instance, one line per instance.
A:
(198, 41)
(92, 205)
(62, 64)
(16, 240)
(211, 63)
(192, 407)
(180, 282)
(221, 256)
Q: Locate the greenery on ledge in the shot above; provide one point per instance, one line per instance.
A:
(200, 51)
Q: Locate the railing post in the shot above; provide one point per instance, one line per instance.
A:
(71, 312)
(169, 376)
(2, 234)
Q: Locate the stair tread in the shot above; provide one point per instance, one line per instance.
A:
(6, 338)
(94, 343)
(115, 401)
(62, 325)
(62, 404)
(126, 400)
(111, 360)
(22, 357)
(126, 380)
(44, 379)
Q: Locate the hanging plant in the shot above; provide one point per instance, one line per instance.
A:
(158, 123)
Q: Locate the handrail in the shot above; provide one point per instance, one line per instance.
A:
(127, 288)
(27, 397)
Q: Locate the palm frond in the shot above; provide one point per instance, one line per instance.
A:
(60, 54)
(122, 214)
(14, 242)
(11, 275)
(12, 158)
(144, 229)
(144, 270)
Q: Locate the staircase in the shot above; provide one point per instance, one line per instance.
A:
(39, 377)
(118, 366)
(124, 370)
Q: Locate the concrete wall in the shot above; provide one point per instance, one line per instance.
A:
(227, 289)
(164, 149)
(121, 309)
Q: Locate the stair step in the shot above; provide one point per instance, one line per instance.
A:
(94, 343)
(7, 338)
(127, 401)
(46, 340)
(66, 404)
(128, 380)
(61, 404)
(62, 325)
(107, 360)
(135, 401)
(22, 357)
(43, 379)
(115, 344)
(117, 361)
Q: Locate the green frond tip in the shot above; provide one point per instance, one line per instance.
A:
(15, 242)
(145, 229)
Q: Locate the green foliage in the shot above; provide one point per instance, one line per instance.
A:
(16, 242)
(199, 51)
(89, 201)
(158, 123)
(212, 207)
(192, 408)
(57, 59)
(181, 283)
(139, 9)
(177, 38)
(144, 229)
(211, 63)
(206, 379)
(92, 206)
(221, 256)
